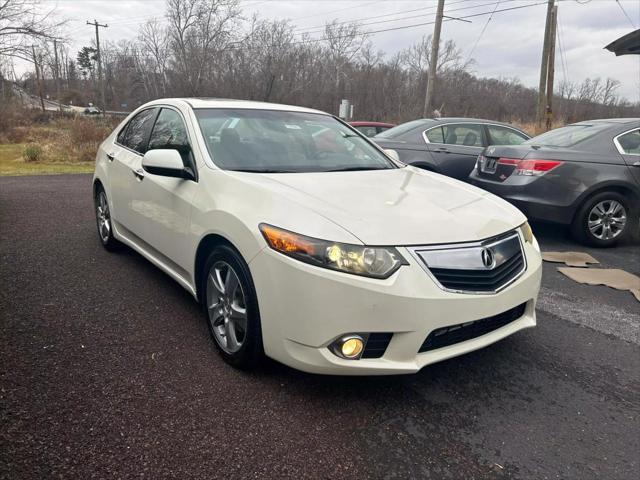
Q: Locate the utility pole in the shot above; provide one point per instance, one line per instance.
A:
(551, 68)
(540, 111)
(35, 62)
(101, 82)
(433, 60)
(57, 73)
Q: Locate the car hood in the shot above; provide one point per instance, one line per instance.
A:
(405, 206)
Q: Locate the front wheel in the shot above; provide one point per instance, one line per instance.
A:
(231, 308)
(103, 220)
(603, 220)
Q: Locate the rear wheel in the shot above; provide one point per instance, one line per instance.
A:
(231, 308)
(603, 220)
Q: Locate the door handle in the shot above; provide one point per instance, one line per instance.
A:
(637, 164)
(442, 149)
(111, 156)
(139, 174)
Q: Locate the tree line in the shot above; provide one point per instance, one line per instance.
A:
(208, 48)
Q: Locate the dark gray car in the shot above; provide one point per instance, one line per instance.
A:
(586, 175)
(447, 145)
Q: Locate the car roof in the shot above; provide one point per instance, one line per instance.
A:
(467, 120)
(200, 102)
(442, 120)
(612, 121)
(364, 123)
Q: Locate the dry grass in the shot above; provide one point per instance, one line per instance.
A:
(12, 163)
(51, 144)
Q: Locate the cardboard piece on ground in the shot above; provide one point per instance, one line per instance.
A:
(610, 277)
(572, 259)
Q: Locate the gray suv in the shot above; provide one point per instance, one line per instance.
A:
(586, 175)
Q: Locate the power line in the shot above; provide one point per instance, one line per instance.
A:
(412, 17)
(463, 8)
(373, 32)
(377, 16)
(402, 27)
(625, 13)
(563, 51)
(338, 10)
(473, 49)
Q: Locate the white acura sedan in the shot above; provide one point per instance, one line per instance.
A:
(306, 242)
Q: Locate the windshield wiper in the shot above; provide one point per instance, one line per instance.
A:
(261, 170)
(355, 169)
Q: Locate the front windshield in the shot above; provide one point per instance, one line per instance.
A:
(274, 141)
(567, 136)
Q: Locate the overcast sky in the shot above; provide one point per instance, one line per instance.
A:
(510, 46)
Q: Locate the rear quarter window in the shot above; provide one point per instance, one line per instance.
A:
(630, 143)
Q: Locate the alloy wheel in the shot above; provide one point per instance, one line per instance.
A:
(607, 219)
(103, 216)
(226, 307)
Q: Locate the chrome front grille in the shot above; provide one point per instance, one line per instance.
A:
(481, 267)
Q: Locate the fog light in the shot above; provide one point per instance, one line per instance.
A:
(350, 347)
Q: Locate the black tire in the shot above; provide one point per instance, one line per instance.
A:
(105, 234)
(250, 351)
(580, 226)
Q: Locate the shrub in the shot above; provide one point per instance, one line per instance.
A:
(88, 131)
(32, 153)
(86, 153)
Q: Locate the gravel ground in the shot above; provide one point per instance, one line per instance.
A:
(107, 371)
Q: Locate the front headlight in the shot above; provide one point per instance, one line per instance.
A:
(527, 233)
(375, 262)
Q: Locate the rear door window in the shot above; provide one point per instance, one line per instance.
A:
(120, 137)
(467, 134)
(505, 136)
(138, 130)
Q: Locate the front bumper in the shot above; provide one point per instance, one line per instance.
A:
(304, 309)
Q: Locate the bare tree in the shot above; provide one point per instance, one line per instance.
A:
(23, 22)
(199, 29)
(154, 40)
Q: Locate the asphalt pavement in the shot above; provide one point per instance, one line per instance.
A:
(107, 371)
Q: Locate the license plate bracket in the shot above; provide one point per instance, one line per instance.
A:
(489, 165)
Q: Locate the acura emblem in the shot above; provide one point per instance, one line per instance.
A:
(487, 258)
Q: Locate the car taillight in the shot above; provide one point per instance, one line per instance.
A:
(530, 167)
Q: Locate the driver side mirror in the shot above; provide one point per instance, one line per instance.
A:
(167, 163)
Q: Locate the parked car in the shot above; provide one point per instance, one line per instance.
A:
(447, 145)
(331, 260)
(371, 129)
(586, 175)
(92, 111)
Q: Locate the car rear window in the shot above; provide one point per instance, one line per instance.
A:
(401, 129)
(568, 136)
